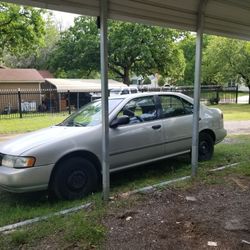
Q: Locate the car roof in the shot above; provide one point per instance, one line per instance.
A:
(131, 96)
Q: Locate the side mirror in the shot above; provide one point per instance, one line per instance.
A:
(122, 120)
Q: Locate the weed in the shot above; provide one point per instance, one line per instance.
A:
(19, 237)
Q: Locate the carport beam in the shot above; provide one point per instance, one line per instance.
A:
(197, 86)
(104, 91)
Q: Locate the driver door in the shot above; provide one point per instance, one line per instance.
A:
(141, 139)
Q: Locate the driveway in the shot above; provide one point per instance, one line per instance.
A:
(243, 99)
(237, 127)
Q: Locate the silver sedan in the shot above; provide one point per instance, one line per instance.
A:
(144, 127)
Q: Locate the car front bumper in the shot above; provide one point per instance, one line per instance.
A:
(25, 180)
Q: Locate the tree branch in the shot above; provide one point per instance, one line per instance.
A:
(116, 71)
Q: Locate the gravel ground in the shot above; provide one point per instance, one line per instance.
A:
(237, 127)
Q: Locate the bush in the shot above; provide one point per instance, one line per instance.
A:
(147, 81)
(214, 100)
(161, 81)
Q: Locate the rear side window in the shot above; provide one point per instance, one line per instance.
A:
(174, 106)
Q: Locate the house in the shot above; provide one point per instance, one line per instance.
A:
(26, 80)
(13, 79)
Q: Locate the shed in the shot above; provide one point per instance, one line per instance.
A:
(73, 93)
(20, 78)
(79, 85)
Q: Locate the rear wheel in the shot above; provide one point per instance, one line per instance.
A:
(74, 178)
(206, 147)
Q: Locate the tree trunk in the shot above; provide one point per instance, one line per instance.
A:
(248, 85)
(248, 94)
(126, 79)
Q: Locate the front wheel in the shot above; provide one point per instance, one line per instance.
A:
(74, 178)
(206, 147)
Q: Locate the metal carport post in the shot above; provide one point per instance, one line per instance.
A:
(104, 84)
(197, 86)
(104, 90)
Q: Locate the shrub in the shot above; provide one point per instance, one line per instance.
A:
(214, 100)
(147, 81)
(161, 81)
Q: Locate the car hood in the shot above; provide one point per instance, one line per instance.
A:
(20, 144)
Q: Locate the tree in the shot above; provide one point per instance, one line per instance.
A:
(21, 28)
(226, 60)
(215, 66)
(188, 47)
(144, 50)
(77, 53)
(133, 47)
(187, 44)
(39, 57)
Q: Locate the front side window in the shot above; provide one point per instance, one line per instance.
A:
(174, 106)
(140, 109)
(89, 115)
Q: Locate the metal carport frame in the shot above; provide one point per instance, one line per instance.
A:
(197, 80)
(219, 17)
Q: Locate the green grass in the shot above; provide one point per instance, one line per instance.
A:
(234, 112)
(84, 229)
(27, 124)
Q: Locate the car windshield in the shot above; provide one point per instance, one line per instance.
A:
(89, 115)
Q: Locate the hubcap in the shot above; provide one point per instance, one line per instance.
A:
(77, 180)
(204, 148)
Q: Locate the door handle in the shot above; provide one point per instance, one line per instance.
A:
(156, 127)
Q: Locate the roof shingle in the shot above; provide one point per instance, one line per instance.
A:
(20, 75)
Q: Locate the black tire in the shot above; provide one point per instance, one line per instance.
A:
(74, 178)
(206, 147)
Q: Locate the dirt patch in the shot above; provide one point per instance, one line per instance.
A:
(196, 218)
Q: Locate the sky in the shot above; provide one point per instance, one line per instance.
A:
(64, 18)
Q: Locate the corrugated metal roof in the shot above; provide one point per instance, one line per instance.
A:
(20, 75)
(222, 17)
(81, 85)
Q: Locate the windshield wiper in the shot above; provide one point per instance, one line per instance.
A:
(78, 124)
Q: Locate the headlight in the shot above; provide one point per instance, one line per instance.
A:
(18, 161)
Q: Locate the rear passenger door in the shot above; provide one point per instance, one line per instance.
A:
(177, 118)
